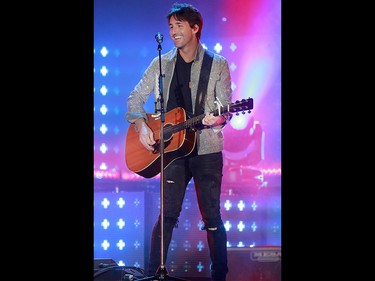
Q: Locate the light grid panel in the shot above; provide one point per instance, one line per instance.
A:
(119, 227)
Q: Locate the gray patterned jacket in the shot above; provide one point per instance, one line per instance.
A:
(209, 140)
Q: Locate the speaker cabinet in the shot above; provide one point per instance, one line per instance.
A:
(114, 273)
(103, 263)
(254, 264)
(107, 270)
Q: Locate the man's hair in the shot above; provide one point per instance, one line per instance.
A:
(186, 12)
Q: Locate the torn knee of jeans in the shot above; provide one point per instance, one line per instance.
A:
(211, 228)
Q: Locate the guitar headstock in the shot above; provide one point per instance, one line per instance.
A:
(241, 106)
(235, 107)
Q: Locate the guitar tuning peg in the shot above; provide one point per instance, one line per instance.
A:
(243, 112)
(237, 114)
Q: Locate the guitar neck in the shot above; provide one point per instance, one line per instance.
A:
(192, 122)
(238, 106)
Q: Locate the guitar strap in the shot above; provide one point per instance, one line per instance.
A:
(203, 82)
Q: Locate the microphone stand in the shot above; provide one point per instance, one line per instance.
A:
(162, 272)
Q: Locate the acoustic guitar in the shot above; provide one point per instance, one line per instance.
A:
(179, 138)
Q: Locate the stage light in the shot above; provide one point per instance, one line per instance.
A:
(104, 51)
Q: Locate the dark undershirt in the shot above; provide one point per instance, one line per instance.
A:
(180, 92)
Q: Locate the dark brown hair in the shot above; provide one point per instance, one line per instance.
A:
(186, 12)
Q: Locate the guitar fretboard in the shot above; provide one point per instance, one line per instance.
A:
(244, 104)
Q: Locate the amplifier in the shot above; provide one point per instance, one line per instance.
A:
(254, 263)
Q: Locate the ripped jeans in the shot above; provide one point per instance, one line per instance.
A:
(206, 170)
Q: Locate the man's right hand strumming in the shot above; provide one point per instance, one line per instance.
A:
(146, 135)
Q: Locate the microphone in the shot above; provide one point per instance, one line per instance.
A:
(159, 37)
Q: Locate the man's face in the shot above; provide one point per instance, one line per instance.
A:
(181, 32)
